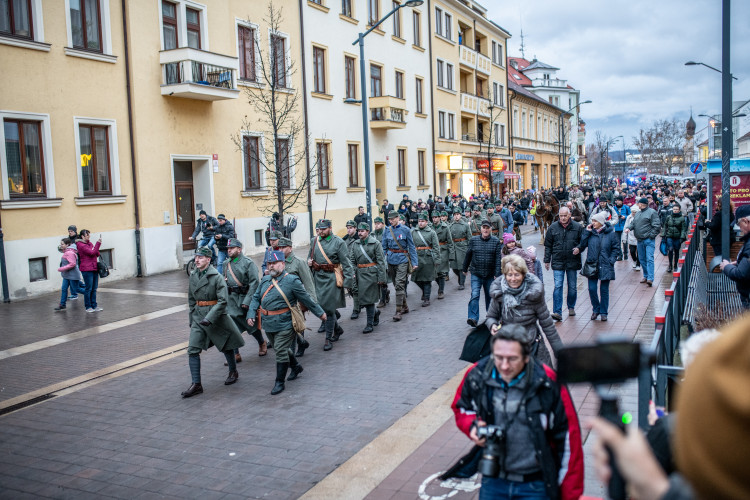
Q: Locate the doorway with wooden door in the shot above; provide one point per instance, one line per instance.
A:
(184, 196)
(381, 187)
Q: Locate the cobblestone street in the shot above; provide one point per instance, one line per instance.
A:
(92, 405)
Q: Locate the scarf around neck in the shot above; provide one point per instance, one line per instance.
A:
(512, 297)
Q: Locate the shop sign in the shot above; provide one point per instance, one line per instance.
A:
(739, 188)
(522, 156)
(497, 165)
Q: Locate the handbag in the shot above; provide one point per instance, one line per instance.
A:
(590, 269)
(298, 319)
(337, 270)
(102, 268)
(663, 246)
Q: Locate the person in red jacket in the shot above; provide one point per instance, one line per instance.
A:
(540, 455)
(89, 255)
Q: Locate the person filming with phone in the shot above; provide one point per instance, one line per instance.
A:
(522, 422)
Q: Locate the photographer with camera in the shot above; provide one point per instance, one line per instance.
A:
(522, 422)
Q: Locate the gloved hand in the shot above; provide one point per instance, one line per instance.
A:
(205, 322)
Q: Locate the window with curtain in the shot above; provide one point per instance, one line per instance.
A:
(319, 70)
(282, 163)
(421, 167)
(95, 167)
(353, 154)
(396, 21)
(417, 24)
(251, 149)
(399, 84)
(376, 81)
(85, 24)
(324, 180)
(350, 76)
(278, 60)
(419, 95)
(246, 51)
(24, 158)
(15, 18)
(401, 167)
(373, 12)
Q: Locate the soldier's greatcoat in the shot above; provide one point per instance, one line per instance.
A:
(295, 266)
(475, 224)
(459, 231)
(446, 246)
(273, 301)
(209, 285)
(331, 297)
(368, 277)
(497, 224)
(247, 274)
(428, 257)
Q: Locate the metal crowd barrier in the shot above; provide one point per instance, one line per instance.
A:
(657, 382)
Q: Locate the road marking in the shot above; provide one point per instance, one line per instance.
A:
(453, 485)
(62, 339)
(179, 295)
(95, 377)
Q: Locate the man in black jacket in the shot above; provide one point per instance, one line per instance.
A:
(739, 270)
(483, 260)
(560, 242)
(224, 231)
(385, 209)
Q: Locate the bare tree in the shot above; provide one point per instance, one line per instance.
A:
(283, 160)
(662, 145)
(596, 155)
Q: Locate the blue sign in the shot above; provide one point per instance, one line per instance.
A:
(696, 167)
(572, 161)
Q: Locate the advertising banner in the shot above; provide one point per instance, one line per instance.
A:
(739, 188)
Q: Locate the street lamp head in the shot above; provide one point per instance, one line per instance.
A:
(586, 102)
(414, 3)
(691, 63)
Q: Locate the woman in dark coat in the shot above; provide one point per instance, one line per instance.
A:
(518, 298)
(714, 227)
(674, 232)
(602, 242)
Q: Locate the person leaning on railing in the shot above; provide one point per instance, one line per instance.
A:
(739, 270)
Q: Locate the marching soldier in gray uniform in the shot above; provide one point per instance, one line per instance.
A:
(368, 261)
(350, 238)
(209, 323)
(270, 307)
(377, 233)
(241, 276)
(475, 224)
(400, 254)
(496, 221)
(299, 268)
(329, 255)
(428, 254)
(460, 235)
(446, 248)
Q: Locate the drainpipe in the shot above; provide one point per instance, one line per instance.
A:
(3, 271)
(432, 98)
(139, 270)
(304, 110)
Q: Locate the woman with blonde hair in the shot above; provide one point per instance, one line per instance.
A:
(518, 298)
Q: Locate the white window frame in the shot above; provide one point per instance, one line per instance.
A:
(450, 76)
(261, 160)
(182, 23)
(287, 55)
(441, 125)
(451, 126)
(49, 168)
(498, 61)
(498, 90)
(292, 182)
(448, 26)
(114, 162)
(247, 24)
(439, 21)
(440, 71)
(106, 54)
(37, 25)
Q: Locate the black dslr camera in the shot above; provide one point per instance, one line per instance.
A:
(611, 360)
(489, 465)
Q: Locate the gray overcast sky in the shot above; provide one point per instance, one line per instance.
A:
(628, 56)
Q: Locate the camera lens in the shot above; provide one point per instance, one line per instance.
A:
(489, 465)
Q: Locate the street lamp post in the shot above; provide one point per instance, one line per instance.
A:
(607, 163)
(564, 165)
(363, 85)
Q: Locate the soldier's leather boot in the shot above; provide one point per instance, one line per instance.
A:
(355, 314)
(322, 327)
(193, 390)
(281, 369)
(296, 368)
(387, 296)
(441, 295)
(405, 309)
(368, 328)
(301, 346)
(263, 349)
(337, 332)
(397, 316)
(232, 378)
(376, 319)
(328, 345)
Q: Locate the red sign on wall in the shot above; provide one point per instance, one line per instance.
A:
(497, 165)
(739, 188)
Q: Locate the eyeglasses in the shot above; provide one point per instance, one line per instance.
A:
(509, 359)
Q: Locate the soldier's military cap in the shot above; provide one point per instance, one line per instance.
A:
(444, 213)
(435, 213)
(276, 256)
(393, 215)
(423, 216)
(284, 242)
(490, 205)
(323, 224)
(275, 235)
(485, 222)
(379, 219)
(204, 251)
(234, 243)
(364, 226)
(351, 223)
(458, 210)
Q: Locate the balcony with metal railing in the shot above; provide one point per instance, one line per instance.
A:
(198, 74)
(387, 112)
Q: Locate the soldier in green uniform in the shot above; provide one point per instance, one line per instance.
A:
(428, 255)
(444, 216)
(209, 323)
(475, 224)
(327, 253)
(377, 233)
(497, 223)
(241, 276)
(446, 248)
(368, 261)
(277, 292)
(350, 238)
(298, 268)
(460, 235)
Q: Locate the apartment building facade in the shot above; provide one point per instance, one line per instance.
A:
(144, 124)
(396, 93)
(469, 89)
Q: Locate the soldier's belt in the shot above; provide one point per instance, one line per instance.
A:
(459, 239)
(424, 248)
(397, 250)
(443, 242)
(329, 268)
(204, 303)
(371, 264)
(475, 234)
(266, 312)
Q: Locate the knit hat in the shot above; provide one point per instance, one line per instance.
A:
(204, 251)
(202, 212)
(72, 228)
(601, 218)
(711, 433)
(234, 243)
(531, 250)
(284, 242)
(221, 217)
(507, 238)
(643, 200)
